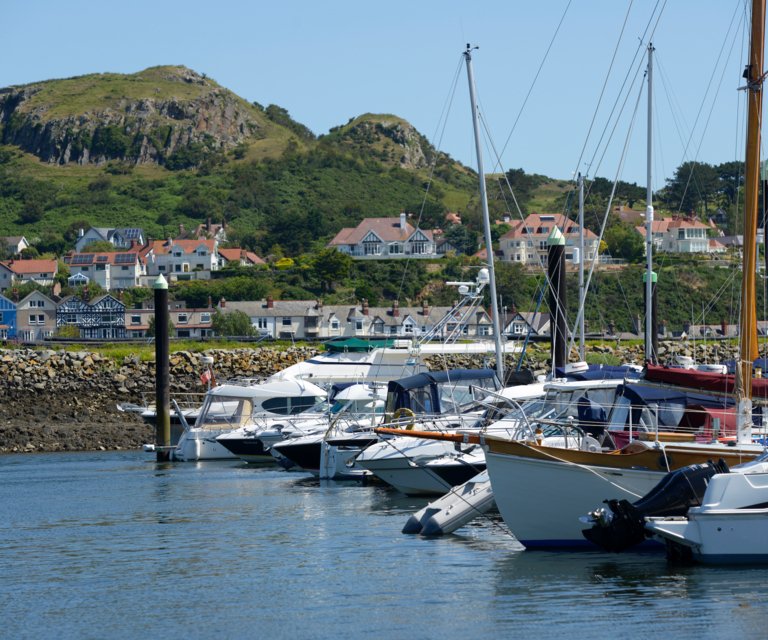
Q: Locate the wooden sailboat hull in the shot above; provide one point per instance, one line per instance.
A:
(541, 492)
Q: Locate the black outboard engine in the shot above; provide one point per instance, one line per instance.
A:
(622, 524)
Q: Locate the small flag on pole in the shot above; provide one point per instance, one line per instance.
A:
(205, 376)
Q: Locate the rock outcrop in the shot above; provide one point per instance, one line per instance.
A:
(182, 117)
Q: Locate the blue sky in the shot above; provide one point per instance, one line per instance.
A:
(326, 62)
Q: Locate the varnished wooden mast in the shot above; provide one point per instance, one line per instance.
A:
(748, 322)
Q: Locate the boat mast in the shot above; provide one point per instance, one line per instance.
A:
(486, 219)
(649, 355)
(582, 293)
(748, 321)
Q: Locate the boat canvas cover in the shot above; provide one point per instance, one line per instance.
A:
(598, 372)
(703, 380)
(421, 392)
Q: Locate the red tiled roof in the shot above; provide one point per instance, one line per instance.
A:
(26, 267)
(388, 229)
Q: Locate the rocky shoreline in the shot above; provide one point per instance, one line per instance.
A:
(68, 401)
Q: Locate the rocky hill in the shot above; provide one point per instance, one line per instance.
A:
(165, 115)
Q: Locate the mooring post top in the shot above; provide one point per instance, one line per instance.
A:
(556, 238)
(160, 283)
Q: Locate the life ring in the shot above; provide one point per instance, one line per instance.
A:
(405, 412)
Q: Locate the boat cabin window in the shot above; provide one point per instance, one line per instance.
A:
(291, 406)
(224, 412)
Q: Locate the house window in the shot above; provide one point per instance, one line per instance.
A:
(358, 325)
(200, 266)
(286, 321)
(205, 317)
(182, 318)
(261, 323)
(372, 248)
(135, 319)
(395, 249)
(335, 325)
(485, 330)
(177, 268)
(124, 268)
(408, 328)
(419, 248)
(161, 267)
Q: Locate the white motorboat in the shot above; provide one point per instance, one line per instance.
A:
(228, 407)
(731, 524)
(348, 428)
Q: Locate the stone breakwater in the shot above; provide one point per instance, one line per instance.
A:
(67, 401)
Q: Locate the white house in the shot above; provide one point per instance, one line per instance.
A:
(679, 235)
(13, 272)
(182, 259)
(120, 238)
(385, 238)
(526, 241)
(112, 271)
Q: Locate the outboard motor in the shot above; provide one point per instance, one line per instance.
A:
(622, 524)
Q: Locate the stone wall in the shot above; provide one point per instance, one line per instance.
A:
(60, 400)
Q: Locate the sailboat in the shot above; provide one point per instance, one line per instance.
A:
(731, 523)
(541, 492)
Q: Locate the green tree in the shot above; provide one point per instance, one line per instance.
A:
(232, 323)
(624, 242)
(330, 265)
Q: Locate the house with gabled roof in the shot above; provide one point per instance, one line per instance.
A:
(14, 244)
(300, 319)
(679, 235)
(15, 272)
(182, 259)
(35, 317)
(121, 237)
(526, 241)
(112, 271)
(235, 256)
(385, 238)
(520, 324)
(103, 318)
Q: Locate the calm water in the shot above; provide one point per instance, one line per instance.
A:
(112, 545)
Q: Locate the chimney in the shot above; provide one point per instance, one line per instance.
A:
(208, 224)
(80, 232)
(395, 309)
(319, 305)
(424, 308)
(210, 302)
(181, 229)
(222, 303)
(270, 302)
(365, 306)
(402, 220)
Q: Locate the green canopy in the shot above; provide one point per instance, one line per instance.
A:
(356, 344)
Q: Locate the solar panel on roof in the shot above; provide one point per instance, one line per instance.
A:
(102, 258)
(82, 258)
(125, 258)
(132, 234)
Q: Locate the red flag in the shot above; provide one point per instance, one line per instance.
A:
(205, 376)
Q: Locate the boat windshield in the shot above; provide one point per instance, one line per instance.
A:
(220, 412)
